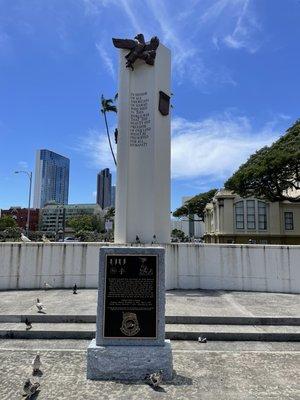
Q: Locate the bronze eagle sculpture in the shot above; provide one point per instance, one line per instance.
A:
(138, 49)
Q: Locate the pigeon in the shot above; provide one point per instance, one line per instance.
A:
(155, 379)
(202, 339)
(45, 239)
(30, 388)
(28, 324)
(40, 306)
(137, 239)
(75, 289)
(24, 238)
(47, 286)
(36, 364)
(154, 240)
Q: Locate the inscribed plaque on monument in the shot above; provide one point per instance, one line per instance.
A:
(130, 296)
(140, 122)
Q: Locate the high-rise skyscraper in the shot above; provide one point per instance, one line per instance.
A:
(104, 188)
(113, 196)
(51, 178)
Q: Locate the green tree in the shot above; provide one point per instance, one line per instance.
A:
(195, 205)
(108, 106)
(86, 223)
(110, 213)
(7, 221)
(178, 234)
(272, 172)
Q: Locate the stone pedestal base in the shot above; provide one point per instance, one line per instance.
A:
(128, 362)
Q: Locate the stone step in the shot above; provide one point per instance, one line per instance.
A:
(170, 319)
(282, 333)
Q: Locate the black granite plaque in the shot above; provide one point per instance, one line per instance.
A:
(130, 296)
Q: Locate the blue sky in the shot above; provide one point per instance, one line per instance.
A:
(235, 79)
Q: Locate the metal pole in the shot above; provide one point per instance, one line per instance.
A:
(64, 222)
(29, 201)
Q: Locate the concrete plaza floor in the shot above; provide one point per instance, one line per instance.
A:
(210, 371)
(178, 302)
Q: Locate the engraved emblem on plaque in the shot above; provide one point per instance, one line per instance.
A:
(164, 103)
(130, 325)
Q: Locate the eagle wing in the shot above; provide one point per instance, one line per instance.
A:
(124, 43)
(153, 44)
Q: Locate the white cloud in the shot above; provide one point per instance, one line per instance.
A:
(94, 146)
(244, 31)
(107, 60)
(205, 150)
(186, 30)
(214, 147)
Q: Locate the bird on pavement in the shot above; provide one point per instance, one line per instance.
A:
(36, 364)
(137, 239)
(40, 306)
(202, 339)
(75, 289)
(30, 388)
(154, 240)
(24, 238)
(28, 324)
(155, 379)
(47, 286)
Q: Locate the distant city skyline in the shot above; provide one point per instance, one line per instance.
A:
(51, 178)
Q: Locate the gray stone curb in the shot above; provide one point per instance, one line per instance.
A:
(172, 319)
(179, 335)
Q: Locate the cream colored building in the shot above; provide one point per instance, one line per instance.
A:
(51, 216)
(232, 219)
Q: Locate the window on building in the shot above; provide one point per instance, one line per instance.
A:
(262, 215)
(239, 215)
(250, 214)
(288, 221)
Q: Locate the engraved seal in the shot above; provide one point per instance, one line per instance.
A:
(130, 325)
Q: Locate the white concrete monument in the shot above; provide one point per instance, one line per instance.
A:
(130, 340)
(143, 159)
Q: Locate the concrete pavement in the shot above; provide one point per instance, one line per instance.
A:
(178, 303)
(221, 370)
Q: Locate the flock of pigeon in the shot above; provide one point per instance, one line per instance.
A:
(25, 239)
(30, 388)
(40, 306)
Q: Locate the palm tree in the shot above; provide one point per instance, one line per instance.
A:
(107, 106)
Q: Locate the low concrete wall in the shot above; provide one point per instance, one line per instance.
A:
(188, 266)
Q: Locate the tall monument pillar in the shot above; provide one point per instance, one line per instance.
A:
(143, 159)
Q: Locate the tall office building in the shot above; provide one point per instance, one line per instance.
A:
(51, 178)
(113, 196)
(104, 188)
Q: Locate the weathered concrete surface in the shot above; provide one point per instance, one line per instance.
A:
(267, 268)
(178, 303)
(203, 371)
(173, 331)
(128, 362)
